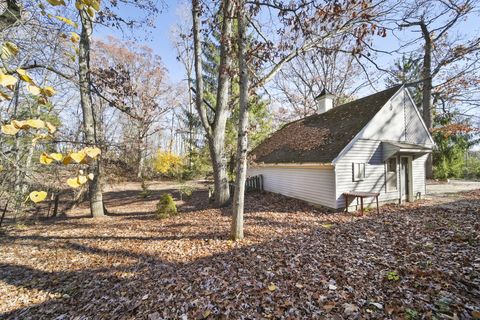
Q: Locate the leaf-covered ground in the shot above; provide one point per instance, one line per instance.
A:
(414, 262)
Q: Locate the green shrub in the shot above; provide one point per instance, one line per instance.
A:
(166, 207)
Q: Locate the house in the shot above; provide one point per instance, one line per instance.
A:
(378, 143)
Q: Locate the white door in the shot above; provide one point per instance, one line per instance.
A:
(405, 179)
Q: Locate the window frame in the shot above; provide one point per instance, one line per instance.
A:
(358, 171)
(389, 174)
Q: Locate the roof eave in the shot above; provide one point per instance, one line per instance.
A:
(294, 165)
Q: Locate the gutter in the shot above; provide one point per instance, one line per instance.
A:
(320, 165)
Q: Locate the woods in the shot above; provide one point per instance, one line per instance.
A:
(159, 106)
(313, 47)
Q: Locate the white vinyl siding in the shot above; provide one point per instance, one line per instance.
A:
(369, 152)
(399, 121)
(415, 131)
(314, 185)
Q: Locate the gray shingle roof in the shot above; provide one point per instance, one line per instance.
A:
(321, 137)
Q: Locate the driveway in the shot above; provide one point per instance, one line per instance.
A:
(453, 186)
(447, 195)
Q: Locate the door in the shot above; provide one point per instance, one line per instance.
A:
(405, 179)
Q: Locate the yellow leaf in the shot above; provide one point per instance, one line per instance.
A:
(67, 159)
(90, 176)
(91, 12)
(7, 80)
(272, 287)
(56, 156)
(67, 21)
(48, 91)
(327, 225)
(79, 5)
(73, 182)
(56, 2)
(45, 159)
(51, 128)
(38, 196)
(4, 96)
(36, 123)
(19, 124)
(95, 4)
(78, 156)
(92, 152)
(42, 100)
(10, 129)
(39, 137)
(9, 49)
(167, 162)
(82, 179)
(24, 76)
(207, 313)
(75, 38)
(33, 89)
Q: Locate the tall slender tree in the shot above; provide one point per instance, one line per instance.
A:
(215, 128)
(242, 143)
(89, 114)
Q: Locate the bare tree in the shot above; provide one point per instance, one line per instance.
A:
(132, 79)
(441, 49)
(304, 78)
(215, 128)
(183, 44)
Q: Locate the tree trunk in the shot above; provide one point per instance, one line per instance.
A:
(222, 192)
(427, 89)
(242, 143)
(95, 188)
(216, 131)
(141, 157)
(219, 164)
(27, 170)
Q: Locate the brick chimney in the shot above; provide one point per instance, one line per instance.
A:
(324, 101)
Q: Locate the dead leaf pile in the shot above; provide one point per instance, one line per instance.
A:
(413, 262)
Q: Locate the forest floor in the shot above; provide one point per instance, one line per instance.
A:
(419, 261)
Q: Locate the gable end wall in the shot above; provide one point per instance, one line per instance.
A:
(399, 121)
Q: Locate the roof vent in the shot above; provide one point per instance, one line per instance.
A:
(324, 101)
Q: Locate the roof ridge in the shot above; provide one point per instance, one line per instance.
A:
(397, 87)
(321, 137)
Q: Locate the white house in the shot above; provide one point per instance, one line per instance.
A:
(377, 144)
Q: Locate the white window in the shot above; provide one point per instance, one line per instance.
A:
(358, 170)
(391, 174)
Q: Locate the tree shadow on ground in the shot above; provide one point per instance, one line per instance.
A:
(315, 271)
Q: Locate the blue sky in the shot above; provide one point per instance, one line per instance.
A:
(158, 38)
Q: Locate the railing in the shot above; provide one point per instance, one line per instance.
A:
(254, 183)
